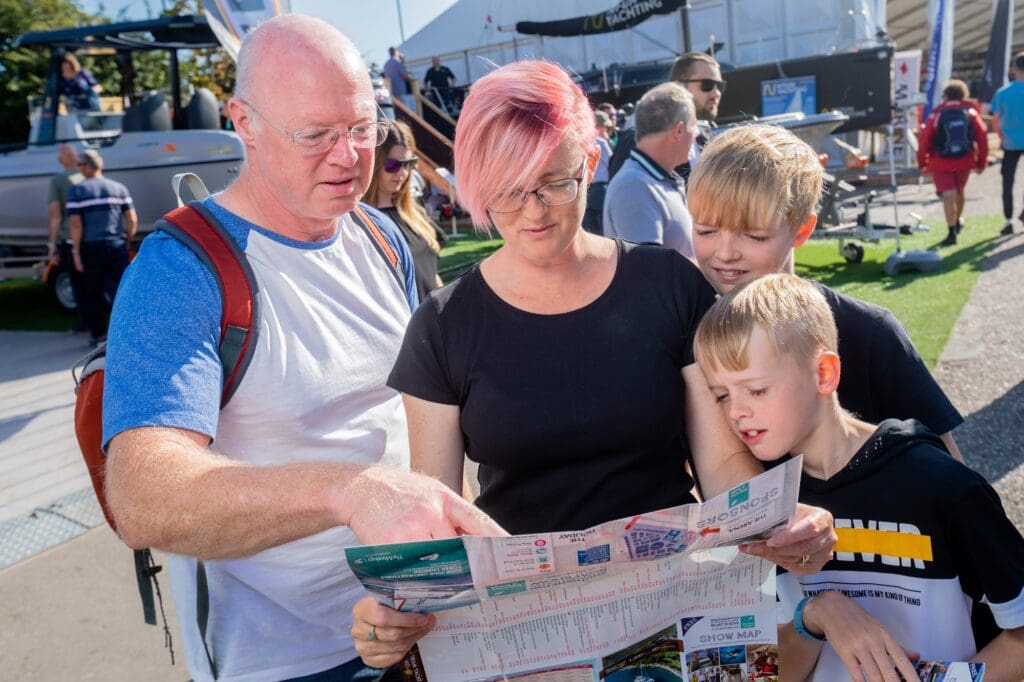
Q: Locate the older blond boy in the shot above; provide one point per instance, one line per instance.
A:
(753, 199)
(923, 540)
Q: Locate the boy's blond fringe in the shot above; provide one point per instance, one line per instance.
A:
(751, 176)
(788, 309)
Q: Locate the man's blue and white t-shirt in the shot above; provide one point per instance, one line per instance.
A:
(101, 204)
(332, 317)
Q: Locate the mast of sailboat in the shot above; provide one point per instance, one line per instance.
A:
(401, 26)
(684, 16)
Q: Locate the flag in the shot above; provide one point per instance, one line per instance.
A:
(998, 58)
(239, 16)
(941, 15)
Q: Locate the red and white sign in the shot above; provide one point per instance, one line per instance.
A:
(906, 79)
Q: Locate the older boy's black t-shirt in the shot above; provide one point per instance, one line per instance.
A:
(883, 377)
(574, 418)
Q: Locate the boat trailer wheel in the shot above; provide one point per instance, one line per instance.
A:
(853, 253)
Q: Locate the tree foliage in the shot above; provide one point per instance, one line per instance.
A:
(23, 71)
(208, 68)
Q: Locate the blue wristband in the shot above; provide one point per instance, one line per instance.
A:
(798, 622)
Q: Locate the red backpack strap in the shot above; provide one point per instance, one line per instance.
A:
(196, 227)
(383, 246)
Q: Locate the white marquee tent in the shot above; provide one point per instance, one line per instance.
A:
(473, 33)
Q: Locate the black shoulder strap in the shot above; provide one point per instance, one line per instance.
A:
(203, 613)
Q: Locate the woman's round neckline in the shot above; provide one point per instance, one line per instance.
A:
(619, 249)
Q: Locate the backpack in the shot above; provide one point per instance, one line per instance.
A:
(197, 228)
(954, 136)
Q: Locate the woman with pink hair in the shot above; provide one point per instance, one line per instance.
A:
(562, 363)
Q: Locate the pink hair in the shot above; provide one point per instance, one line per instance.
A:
(511, 122)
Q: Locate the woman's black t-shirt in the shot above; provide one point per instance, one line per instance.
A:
(424, 258)
(574, 418)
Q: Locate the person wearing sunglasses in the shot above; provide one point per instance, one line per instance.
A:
(701, 75)
(395, 161)
(561, 363)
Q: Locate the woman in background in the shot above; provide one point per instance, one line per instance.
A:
(389, 192)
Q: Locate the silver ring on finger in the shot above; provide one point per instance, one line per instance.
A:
(373, 633)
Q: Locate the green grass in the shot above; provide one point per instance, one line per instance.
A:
(28, 305)
(458, 254)
(928, 304)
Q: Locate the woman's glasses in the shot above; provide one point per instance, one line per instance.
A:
(554, 193)
(707, 84)
(395, 165)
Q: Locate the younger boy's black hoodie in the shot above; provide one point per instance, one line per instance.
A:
(923, 540)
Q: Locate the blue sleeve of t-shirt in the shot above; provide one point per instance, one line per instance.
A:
(162, 365)
(994, 105)
(397, 241)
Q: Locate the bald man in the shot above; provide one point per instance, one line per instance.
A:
(311, 453)
(58, 242)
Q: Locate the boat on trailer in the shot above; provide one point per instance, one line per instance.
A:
(143, 145)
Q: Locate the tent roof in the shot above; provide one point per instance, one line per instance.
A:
(465, 25)
(162, 33)
(908, 24)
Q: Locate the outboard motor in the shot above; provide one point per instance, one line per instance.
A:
(202, 111)
(152, 113)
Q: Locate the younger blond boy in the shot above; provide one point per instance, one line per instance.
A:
(753, 199)
(923, 540)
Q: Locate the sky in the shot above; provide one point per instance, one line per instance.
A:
(371, 24)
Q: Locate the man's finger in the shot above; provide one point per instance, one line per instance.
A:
(470, 520)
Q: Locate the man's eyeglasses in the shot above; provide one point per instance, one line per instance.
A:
(394, 165)
(554, 193)
(319, 140)
(707, 84)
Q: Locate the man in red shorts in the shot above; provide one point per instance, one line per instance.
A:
(954, 140)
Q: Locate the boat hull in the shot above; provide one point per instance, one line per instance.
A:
(145, 162)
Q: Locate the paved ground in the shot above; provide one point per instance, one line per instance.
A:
(72, 611)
